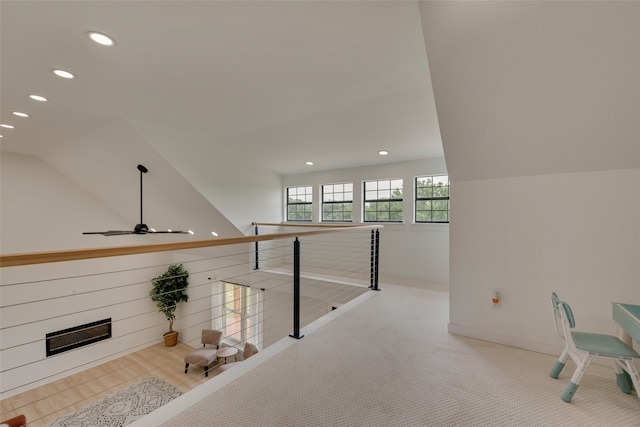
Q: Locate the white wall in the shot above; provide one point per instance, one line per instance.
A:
(576, 234)
(44, 210)
(538, 104)
(528, 88)
(409, 253)
(89, 185)
(229, 177)
(104, 164)
(45, 298)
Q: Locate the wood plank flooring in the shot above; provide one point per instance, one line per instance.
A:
(47, 403)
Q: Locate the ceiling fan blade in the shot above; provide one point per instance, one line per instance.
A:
(168, 232)
(110, 232)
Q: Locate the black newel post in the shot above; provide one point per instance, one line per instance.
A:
(296, 290)
(377, 261)
(373, 259)
(256, 245)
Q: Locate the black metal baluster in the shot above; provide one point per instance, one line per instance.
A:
(377, 261)
(296, 290)
(256, 246)
(373, 259)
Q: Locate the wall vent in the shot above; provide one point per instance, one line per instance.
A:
(78, 336)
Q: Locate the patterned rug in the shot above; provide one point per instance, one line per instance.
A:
(124, 407)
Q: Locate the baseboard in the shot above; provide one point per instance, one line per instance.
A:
(510, 340)
(517, 342)
(416, 283)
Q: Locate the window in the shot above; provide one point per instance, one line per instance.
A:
(236, 312)
(299, 203)
(383, 200)
(432, 198)
(337, 202)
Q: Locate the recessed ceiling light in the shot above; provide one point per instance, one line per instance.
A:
(62, 73)
(191, 232)
(214, 233)
(4, 125)
(100, 38)
(1, 136)
(38, 98)
(20, 114)
(383, 152)
(308, 163)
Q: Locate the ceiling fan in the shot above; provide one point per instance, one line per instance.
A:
(140, 228)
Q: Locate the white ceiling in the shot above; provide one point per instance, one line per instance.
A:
(285, 82)
(535, 87)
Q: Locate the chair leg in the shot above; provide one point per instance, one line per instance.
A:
(206, 371)
(630, 367)
(572, 387)
(557, 368)
(186, 367)
(624, 382)
(622, 377)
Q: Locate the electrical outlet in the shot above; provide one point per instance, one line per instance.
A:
(496, 299)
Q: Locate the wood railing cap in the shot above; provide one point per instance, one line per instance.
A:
(29, 258)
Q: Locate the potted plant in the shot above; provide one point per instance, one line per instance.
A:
(168, 290)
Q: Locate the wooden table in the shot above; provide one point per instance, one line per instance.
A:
(628, 317)
(225, 352)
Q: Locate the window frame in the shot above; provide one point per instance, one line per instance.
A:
(383, 200)
(336, 202)
(240, 309)
(299, 204)
(432, 198)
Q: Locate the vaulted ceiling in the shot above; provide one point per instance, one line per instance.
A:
(284, 82)
(521, 88)
(535, 87)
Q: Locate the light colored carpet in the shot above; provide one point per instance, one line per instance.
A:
(124, 407)
(389, 361)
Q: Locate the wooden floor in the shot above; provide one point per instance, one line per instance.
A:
(47, 403)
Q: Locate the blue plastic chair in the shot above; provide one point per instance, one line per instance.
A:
(582, 346)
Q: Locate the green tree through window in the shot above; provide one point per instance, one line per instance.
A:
(383, 200)
(337, 202)
(432, 199)
(299, 203)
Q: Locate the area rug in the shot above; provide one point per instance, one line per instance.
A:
(124, 407)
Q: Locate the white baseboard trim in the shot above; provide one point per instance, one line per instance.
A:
(508, 340)
(551, 349)
(416, 283)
